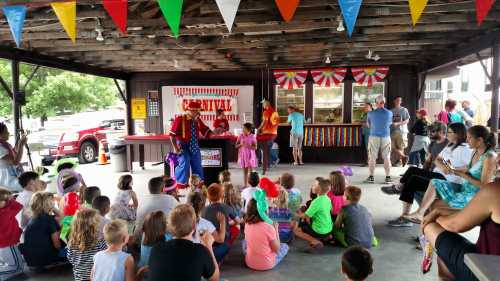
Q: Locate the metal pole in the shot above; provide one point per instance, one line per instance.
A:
(495, 83)
(16, 108)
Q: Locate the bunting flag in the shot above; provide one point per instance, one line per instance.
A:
(328, 77)
(15, 17)
(416, 9)
(483, 7)
(350, 11)
(368, 75)
(287, 8)
(172, 11)
(66, 13)
(228, 10)
(118, 11)
(290, 79)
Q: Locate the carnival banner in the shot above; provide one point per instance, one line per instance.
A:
(290, 79)
(172, 11)
(483, 7)
(328, 77)
(228, 10)
(15, 17)
(350, 11)
(416, 9)
(368, 75)
(118, 11)
(66, 13)
(235, 101)
(287, 8)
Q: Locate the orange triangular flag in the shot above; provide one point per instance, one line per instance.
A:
(287, 8)
(66, 13)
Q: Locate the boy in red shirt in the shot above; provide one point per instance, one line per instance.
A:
(11, 261)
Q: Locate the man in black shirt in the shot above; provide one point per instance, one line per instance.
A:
(180, 259)
(415, 179)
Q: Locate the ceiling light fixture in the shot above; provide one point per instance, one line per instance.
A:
(328, 60)
(340, 27)
(371, 56)
(176, 63)
(99, 30)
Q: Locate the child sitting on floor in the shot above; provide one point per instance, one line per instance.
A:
(312, 195)
(42, 246)
(247, 193)
(102, 204)
(354, 221)
(84, 243)
(125, 204)
(232, 198)
(224, 176)
(31, 183)
(281, 214)
(113, 264)
(216, 206)
(262, 247)
(316, 223)
(336, 193)
(171, 188)
(197, 200)
(196, 184)
(357, 264)
(154, 230)
(287, 181)
(10, 257)
(89, 193)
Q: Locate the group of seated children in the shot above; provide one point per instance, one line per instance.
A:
(187, 241)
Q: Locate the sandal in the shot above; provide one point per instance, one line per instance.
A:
(427, 254)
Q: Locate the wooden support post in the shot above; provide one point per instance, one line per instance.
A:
(495, 75)
(16, 107)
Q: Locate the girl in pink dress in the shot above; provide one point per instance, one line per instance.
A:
(246, 145)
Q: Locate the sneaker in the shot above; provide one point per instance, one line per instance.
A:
(388, 179)
(390, 190)
(370, 179)
(400, 222)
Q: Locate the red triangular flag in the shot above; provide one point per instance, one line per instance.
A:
(483, 7)
(118, 10)
(287, 8)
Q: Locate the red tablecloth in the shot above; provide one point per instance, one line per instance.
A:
(167, 137)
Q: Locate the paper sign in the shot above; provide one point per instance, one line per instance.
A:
(211, 157)
(138, 108)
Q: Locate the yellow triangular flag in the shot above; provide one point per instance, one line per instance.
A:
(416, 9)
(66, 13)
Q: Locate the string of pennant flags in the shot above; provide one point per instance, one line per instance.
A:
(330, 76)
(172, 11)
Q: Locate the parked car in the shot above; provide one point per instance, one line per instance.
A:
(83, 144)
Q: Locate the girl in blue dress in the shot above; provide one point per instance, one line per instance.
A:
(480, 171)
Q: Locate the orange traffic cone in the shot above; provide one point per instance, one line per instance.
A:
(103, 160)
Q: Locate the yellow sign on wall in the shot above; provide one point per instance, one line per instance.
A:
(138, 108)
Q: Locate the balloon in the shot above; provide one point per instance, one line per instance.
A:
(71, 204)
(271, 189)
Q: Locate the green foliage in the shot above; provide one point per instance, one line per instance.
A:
(53, 91)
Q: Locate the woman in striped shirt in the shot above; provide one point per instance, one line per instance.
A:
(84, 243)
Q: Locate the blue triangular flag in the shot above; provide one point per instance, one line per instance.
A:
(15, 17)
(350, 10)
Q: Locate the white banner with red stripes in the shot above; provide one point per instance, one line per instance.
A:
(290, 79)
(328, 77)
(235, 101)
(368, 75)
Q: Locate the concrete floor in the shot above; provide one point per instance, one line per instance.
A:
(395, 259)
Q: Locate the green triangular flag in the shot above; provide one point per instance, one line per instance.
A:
(172, 10)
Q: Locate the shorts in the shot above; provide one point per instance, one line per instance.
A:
(376, 144)
(307, 229)
(451, 248)
(398, 141)
(296, 140)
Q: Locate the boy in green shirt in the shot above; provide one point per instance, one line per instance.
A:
(316, 223)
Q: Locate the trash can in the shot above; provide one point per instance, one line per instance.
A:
(118, 155)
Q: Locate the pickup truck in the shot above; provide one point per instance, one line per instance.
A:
(83, 144)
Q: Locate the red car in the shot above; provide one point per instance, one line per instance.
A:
(83, 144)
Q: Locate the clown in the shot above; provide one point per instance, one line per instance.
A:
(185, 132)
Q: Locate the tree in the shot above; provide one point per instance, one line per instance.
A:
(52, 91)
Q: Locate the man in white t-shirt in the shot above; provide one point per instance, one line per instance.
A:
(155, 201)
